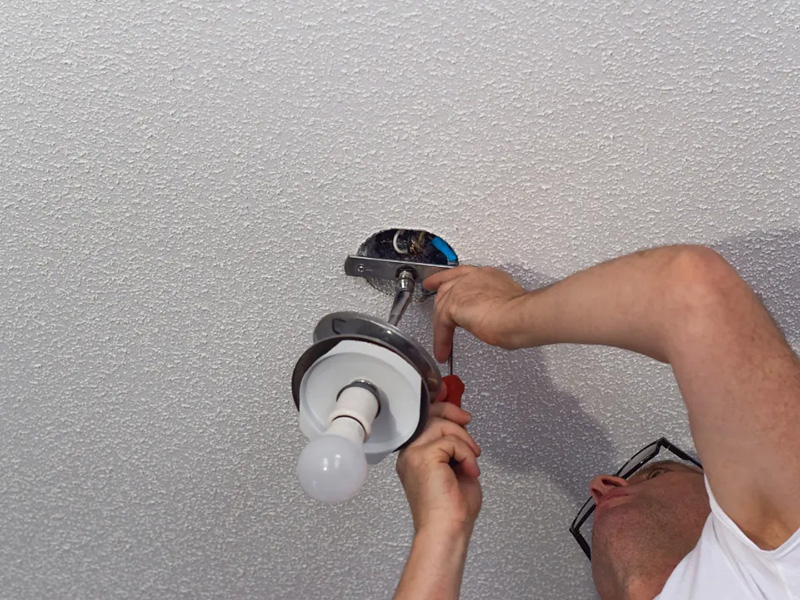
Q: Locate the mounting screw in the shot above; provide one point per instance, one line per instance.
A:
(361, 268)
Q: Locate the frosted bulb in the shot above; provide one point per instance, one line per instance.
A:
(332, 468)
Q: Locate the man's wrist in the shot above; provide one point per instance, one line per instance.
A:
(436, 563)
(529, 326)
(445, 533)
(444, 545)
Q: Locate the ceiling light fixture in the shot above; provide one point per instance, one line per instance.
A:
(363, 388)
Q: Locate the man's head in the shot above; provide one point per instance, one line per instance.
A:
(644, 526)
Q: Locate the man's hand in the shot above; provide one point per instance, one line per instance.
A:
(442, 497)
(444, 500)
(482, 300)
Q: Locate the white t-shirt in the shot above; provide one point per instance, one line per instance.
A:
(727, 565)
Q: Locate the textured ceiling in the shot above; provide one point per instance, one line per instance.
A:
(182, 181)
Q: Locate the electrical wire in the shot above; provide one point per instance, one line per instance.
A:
(394, 242)
(445, 249)
(416, 245)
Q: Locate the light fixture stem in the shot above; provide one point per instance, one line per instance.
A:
(403, 293)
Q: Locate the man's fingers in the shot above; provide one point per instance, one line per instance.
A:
(443, 340)
(433, 282)
(451, 412)
(443, 330)
(438, 428)
(456, 448)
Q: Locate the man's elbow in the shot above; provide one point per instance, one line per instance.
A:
(701, 269)
(702, 284)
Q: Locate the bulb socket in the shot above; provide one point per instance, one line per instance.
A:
(363, 383)
(359, 401)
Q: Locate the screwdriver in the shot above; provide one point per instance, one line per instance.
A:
(455, 389)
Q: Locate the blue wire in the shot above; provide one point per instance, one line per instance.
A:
(445, 249)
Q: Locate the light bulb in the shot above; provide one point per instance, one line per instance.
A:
(332, 468)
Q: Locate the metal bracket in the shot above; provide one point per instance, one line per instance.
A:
(405, 275)
(389, 270)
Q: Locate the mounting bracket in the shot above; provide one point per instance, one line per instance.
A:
(406, 274)
(388, 270)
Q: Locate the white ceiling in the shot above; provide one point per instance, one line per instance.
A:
(182, 181)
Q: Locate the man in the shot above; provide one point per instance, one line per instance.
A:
(671, 530)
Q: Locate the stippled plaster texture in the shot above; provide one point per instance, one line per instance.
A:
(181, 181)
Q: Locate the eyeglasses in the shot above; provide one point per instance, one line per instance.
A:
(641, 458)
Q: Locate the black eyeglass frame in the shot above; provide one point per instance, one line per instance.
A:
(624, 472)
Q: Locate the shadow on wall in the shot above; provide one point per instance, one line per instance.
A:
(770, 263)
(539, 428)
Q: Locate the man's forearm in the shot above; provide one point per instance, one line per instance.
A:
(628, 302)
(435, 566)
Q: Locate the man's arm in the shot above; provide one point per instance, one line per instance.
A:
(444, 502)
(435, 566)
(687, 306)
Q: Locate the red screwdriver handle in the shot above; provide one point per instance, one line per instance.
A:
(455, 389)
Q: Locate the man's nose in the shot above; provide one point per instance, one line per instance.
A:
(602, 484)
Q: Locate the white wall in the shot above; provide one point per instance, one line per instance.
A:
(181, 181)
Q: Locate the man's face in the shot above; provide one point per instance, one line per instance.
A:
(653, 519)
